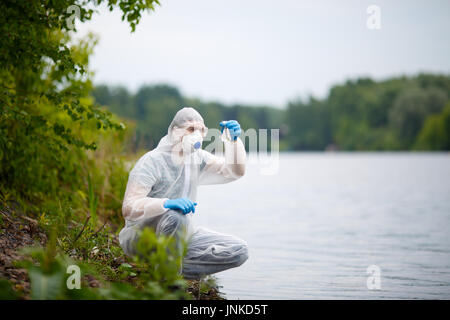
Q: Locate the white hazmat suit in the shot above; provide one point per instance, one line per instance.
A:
(167, 172)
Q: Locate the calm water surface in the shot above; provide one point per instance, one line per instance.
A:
(315, 226)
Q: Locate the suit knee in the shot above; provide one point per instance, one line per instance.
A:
(172, 222)
(243, 254)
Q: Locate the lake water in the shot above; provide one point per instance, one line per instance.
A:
(315, 227)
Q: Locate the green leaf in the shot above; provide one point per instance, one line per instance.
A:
(45, 286)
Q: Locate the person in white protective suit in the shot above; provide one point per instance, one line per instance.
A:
(162, 188)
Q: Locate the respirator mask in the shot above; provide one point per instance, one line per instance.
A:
(192, 142)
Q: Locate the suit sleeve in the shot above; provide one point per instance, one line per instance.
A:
(224, 169)
(137, 204)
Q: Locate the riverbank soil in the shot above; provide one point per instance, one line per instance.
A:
(19, 231)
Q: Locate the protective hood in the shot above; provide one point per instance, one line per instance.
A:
(184, 120)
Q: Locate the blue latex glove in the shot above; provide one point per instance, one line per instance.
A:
(183, 204)
(233, 126)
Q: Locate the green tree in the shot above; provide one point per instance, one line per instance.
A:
(435, 134)
(45, 109)
(309, 125)
(411, 108)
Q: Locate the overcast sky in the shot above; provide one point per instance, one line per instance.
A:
(269, 52)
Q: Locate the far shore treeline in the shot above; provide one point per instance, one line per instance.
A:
(402, 113)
